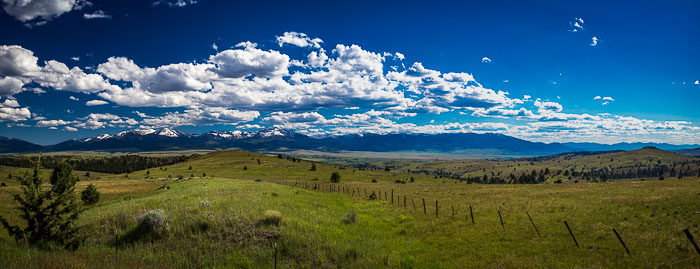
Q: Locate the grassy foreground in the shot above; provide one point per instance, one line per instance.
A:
(222, 223)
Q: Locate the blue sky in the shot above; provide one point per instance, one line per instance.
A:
(551, 71)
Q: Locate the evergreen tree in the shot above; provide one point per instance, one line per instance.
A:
(90, 195)
(50, 214)
(335, 177)
(313, 167)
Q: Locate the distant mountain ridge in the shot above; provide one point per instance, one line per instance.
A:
(275, 139)
(690, 152)
(627, 146)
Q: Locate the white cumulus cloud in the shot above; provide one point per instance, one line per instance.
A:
(299, 40)
(40, 10)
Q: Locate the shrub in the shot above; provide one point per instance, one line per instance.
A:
(313, 167)
(3, 184)
(350, 217)
(271, 217)
(153, 223)
(335, 177)
(204, 204)
(258, 180)
(90, 195)
(374, 180)
(661, 178)
(558, 181)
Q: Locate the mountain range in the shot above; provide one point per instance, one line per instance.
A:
(275, 138)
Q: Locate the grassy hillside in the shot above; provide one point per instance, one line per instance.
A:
(244, 165)
(626, 161)
(231, 231)
(226, 219)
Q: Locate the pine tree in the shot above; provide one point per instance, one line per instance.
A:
(50, 214)
(90, 195)
(335, 177)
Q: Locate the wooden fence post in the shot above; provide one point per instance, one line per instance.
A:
(533, 224)
(392, 196)
(690, 237)
(436, 208)
(404, 202)
(116, 243)
(414, 204)
(425, 212)
(275, 255)
(453, 210)
(622, 242)
(471, 213)
(501, 218)
(571, 233)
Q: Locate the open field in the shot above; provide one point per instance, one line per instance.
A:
(615, 165)
(245, 165)
(220, 220)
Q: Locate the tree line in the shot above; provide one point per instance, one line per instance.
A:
(111, 165)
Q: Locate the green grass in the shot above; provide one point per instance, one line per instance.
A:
(502, 168)
(244, 165)
(221, 222)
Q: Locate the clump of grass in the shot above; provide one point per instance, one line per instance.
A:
(349, 218)
(204, 204)
(271, 217)
(199, 226)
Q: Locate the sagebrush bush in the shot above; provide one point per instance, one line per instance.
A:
(204, 204)
(154, 223)
(271, 217)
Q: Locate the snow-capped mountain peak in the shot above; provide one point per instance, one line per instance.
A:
(169, 132)
(229, 134)
(274, 131)
(135, 132)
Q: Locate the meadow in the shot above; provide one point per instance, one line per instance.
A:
(229, 219)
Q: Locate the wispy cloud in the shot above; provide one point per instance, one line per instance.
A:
(576, 25)
(594, 41)
(175, 3)
(98, 14)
